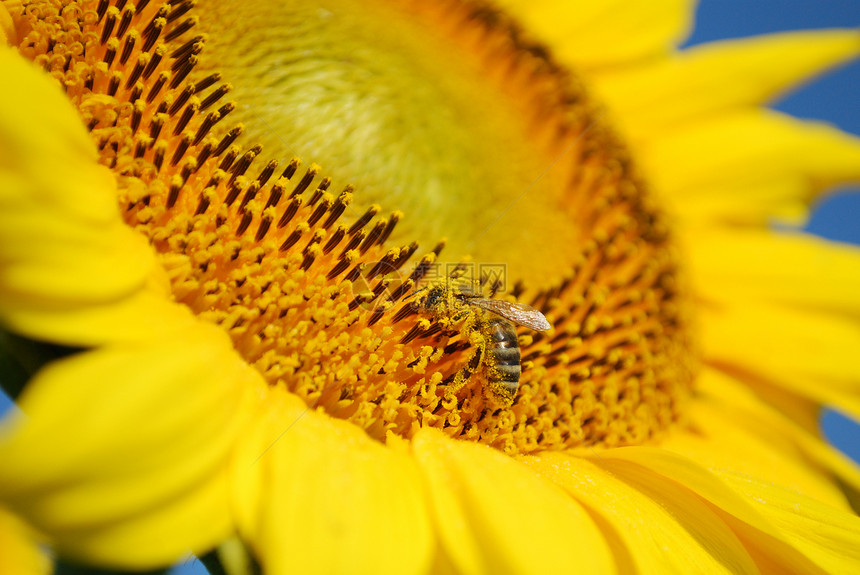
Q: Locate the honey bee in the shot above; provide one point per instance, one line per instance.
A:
(492, 334)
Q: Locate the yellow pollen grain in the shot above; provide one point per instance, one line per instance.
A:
(311, 289)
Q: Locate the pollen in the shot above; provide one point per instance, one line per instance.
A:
(311, 280)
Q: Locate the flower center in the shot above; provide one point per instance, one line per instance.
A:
(444, 110)
(436, 108)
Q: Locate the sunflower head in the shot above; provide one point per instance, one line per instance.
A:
(309, 280)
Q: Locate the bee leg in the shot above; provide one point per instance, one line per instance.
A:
(456, 381)
(460, 315)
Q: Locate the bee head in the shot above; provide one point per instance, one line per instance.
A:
(429, 297)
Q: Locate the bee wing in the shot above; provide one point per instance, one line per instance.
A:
(519, 313)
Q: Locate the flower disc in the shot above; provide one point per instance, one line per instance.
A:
(444, 110)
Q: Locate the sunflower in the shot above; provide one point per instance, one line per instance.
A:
(214, 344)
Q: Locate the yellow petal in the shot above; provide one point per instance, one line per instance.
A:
(669, 477)
(650, 535)
(811, 354)
(788, 268)
(715, 77)
(143, 315)
(63, 245)
(749, 157)
(592, 33)
(783, 199)
(775, 425)
(844, 469)
(21, 554)
(317, 495)
(195, 519)
(495, 516)
(121, 453)
(723, 439)
(828, 536)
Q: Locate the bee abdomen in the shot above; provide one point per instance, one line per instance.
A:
(504, 351)
(506, 356)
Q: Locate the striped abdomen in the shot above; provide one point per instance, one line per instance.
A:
(503, 354)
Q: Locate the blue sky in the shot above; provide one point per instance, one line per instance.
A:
(834, 98)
